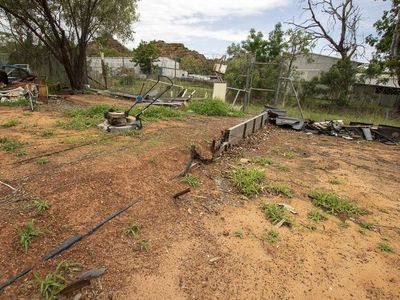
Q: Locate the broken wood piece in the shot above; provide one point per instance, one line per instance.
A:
(280, 223)
(7, 185)
(83, 280)
(177, 195)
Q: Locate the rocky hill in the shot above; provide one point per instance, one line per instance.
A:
(179, 50)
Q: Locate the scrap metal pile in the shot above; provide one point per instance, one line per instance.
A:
(355, 130)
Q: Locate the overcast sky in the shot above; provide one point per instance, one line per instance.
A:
(209, 26)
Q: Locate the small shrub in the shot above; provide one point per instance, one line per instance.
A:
(275, 214)
(238, 233)
(11, 123)
(47, 133)
(280, 188)
(132, 230)
(191, 180)
(211, 107)
(333, 204)
(386, 248)
(247, 180)
(261, 161)
(42, 161)
(26, 234)
(271, 236)
(317, 215)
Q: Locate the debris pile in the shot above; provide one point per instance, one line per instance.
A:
(355, 130)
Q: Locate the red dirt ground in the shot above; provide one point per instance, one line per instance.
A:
(193, 252)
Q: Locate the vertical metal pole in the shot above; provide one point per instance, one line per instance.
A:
(246, 93)
(278, 84)
(297, 98)
(253, 61)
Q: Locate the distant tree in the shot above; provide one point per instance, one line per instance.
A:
(66, 27)
(145, 55)
(386, 43)
(193, 65)
(337, 25)
(341, 16)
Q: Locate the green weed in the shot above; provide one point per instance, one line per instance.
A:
(333, 204)
(42, 161)
(52, 284)
(26, 234)
(247, 180)
(289, 154)
(283, 168)
(367, 225)
(41, 205)
(47, 133)
(311, 227)
(317, 215)
(211, 107)
(19, 102)
(280, 188)
(238, 233)
(261, 161)
(152, 160)
(322, 167)
(385, 248)
(191, 180)
(10, 145)
(335, 181)
(143, 245)
(271, 236)
(275, 214)
(11, 123)
(361, 231)
(132, 230)
(344, 224)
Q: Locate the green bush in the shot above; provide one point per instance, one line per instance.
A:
(210, 107)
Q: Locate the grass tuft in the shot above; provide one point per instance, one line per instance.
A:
(280, 188)
(247, 180)
(317, 215)
(19, 102)
(335, 181)
(344, 224)
(143, 245)
(132, 230)
(11, 123)
(52, 284)
(275, 214)
(271, 236)
(191, 180)
(386, 248)
(211, 107)
(261, 161)
(333, 204)
(367, 226)
(238, 233)
(26, 234)
(47, 133)
(42, 161)
(283, 168)
(10, 145)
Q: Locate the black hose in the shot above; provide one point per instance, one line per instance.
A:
(68, 243)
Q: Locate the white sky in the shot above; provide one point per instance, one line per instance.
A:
(209, 26)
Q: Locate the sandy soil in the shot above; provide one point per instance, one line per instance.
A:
(193, 253)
